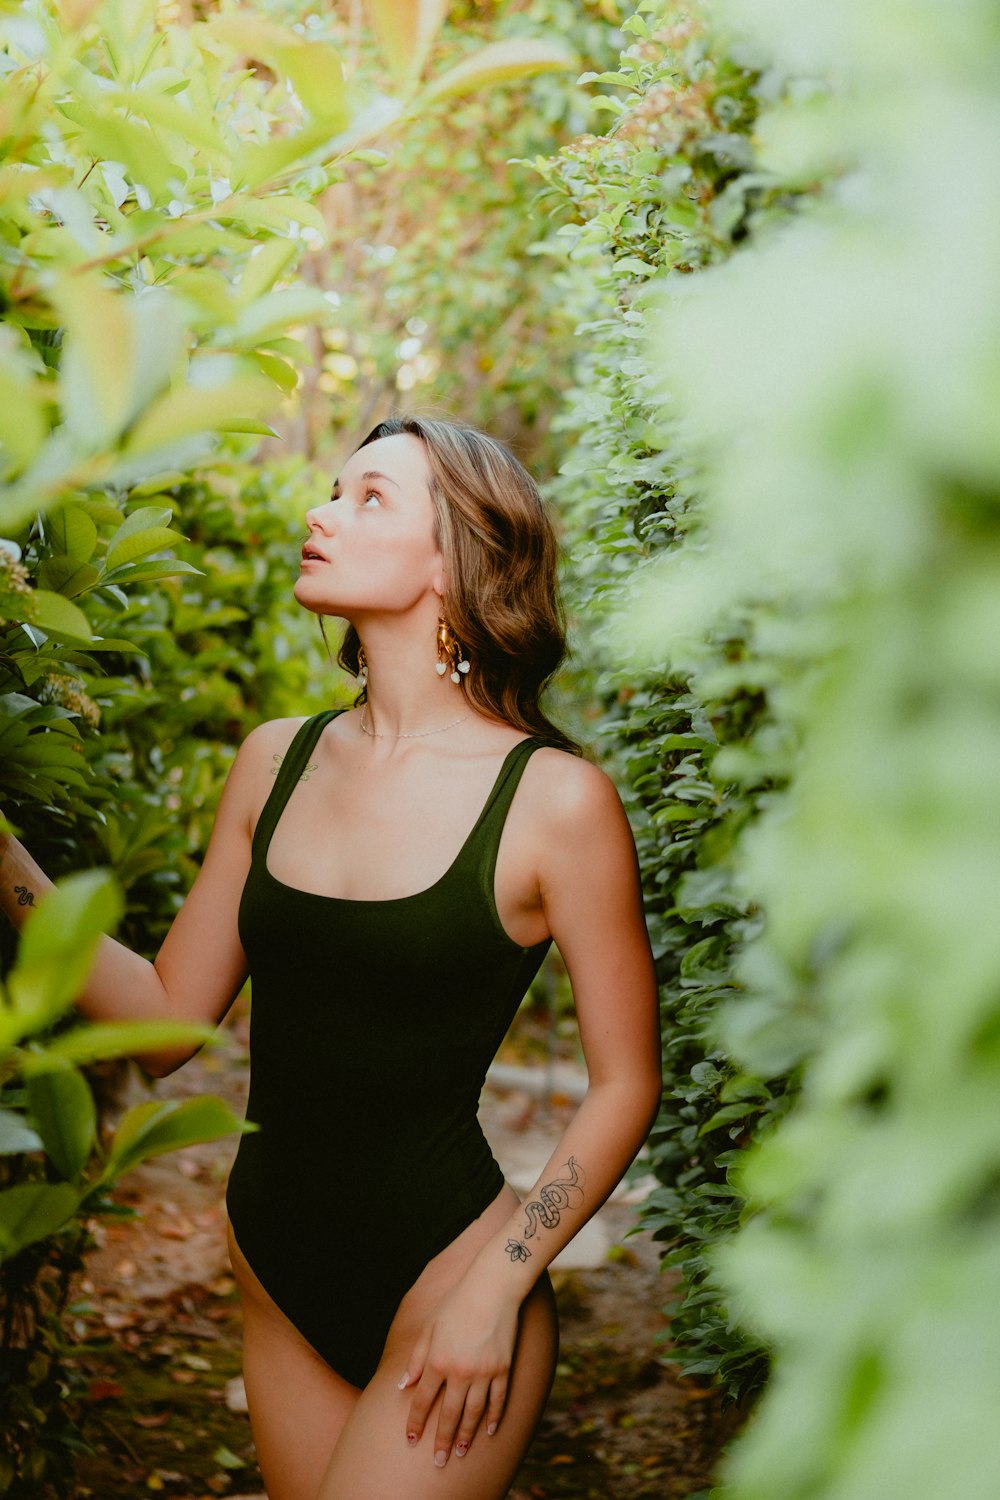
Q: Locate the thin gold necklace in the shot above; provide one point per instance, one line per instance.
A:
(419, 734)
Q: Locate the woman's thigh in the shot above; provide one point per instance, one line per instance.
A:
(372, 1459)
(298, 1406)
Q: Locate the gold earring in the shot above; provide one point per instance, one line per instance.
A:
(451, 657)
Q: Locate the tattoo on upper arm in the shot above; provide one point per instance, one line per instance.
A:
(546, 1210)
(24, 896)
(305, 774)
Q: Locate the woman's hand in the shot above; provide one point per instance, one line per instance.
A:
(465, 1350)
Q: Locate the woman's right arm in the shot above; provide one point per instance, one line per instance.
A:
(201, 966)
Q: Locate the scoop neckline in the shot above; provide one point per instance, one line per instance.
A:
(297, 890)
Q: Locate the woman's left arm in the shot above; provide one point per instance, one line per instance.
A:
(590, 892)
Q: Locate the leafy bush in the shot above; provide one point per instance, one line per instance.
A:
(158, 190)
(837, 384)
(55, 1170)
(673, 188)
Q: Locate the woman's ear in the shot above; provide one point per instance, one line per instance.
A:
(437, 577)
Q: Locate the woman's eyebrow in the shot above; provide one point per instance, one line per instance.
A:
(365, 477)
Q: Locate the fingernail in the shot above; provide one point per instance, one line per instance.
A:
(402, 1384)
(411, 1437)
(440, 1459)
(491, 1429)
(461, 1449)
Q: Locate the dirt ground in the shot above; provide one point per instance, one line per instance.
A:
(157, 1328)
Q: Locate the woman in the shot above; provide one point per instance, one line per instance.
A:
(399, 1329)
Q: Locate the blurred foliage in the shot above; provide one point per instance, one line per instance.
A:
(672, 188)
(442, 304)
(837, 384)
(57, 1166)
(159, 185)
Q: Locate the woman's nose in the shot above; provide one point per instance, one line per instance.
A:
(321, 517)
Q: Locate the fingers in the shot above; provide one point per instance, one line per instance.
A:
(424, 1397)
(471, 1416)
(448, 1419)
(463, 1408)
(497, 1402)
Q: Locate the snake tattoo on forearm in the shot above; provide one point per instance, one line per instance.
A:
(545, 1210)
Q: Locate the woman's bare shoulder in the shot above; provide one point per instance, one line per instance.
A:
(569, 792)
(273, 734)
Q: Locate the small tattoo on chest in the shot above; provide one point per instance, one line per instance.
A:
(277, 766)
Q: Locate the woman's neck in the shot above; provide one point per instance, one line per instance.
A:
(406, 696)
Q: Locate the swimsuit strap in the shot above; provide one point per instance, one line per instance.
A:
(483, 844)
(292, 764)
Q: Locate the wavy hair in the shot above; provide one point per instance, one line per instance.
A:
(501, 556)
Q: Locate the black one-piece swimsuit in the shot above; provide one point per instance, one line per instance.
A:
(372, 1026)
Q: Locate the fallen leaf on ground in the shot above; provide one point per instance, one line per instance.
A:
(175, 1229)
(227, 1459)
(236, 1395)
(104, 1390)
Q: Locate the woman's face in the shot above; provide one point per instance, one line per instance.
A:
(371, 546)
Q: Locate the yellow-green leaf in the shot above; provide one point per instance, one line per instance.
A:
(96, 1040)
(499, 62)
(54, 614)
(315, 73)
(32, 1211)
(62, 1108)
(71, 530)
(158, 1126)
(57, 947)
(264, 267)
(22, 421)
(96, 371)
(405, 30)
(126, 549)
(194, 410)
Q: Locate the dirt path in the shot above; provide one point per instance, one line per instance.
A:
(156, 1365)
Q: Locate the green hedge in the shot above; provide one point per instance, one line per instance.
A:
(673, 188)
(839, 384)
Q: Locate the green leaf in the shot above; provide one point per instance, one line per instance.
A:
(195, 410)
(314, 70)
(169, 114)
(64, 575)
(57, 948)
(264, 267)
(498, 62)
(149, 572)
(158, 1126)
(57, 616)
(62, 1107)
(127, 549)
(274, 212)
(22, 417)
(141, 519)
(95, 1041)
(227, 1459)
(70, 530)
(250, 424)
(32, 1211)
(96, 370)
(406, 30)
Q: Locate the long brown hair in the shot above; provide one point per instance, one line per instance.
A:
(500, 555)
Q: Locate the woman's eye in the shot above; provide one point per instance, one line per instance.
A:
(373, 495)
